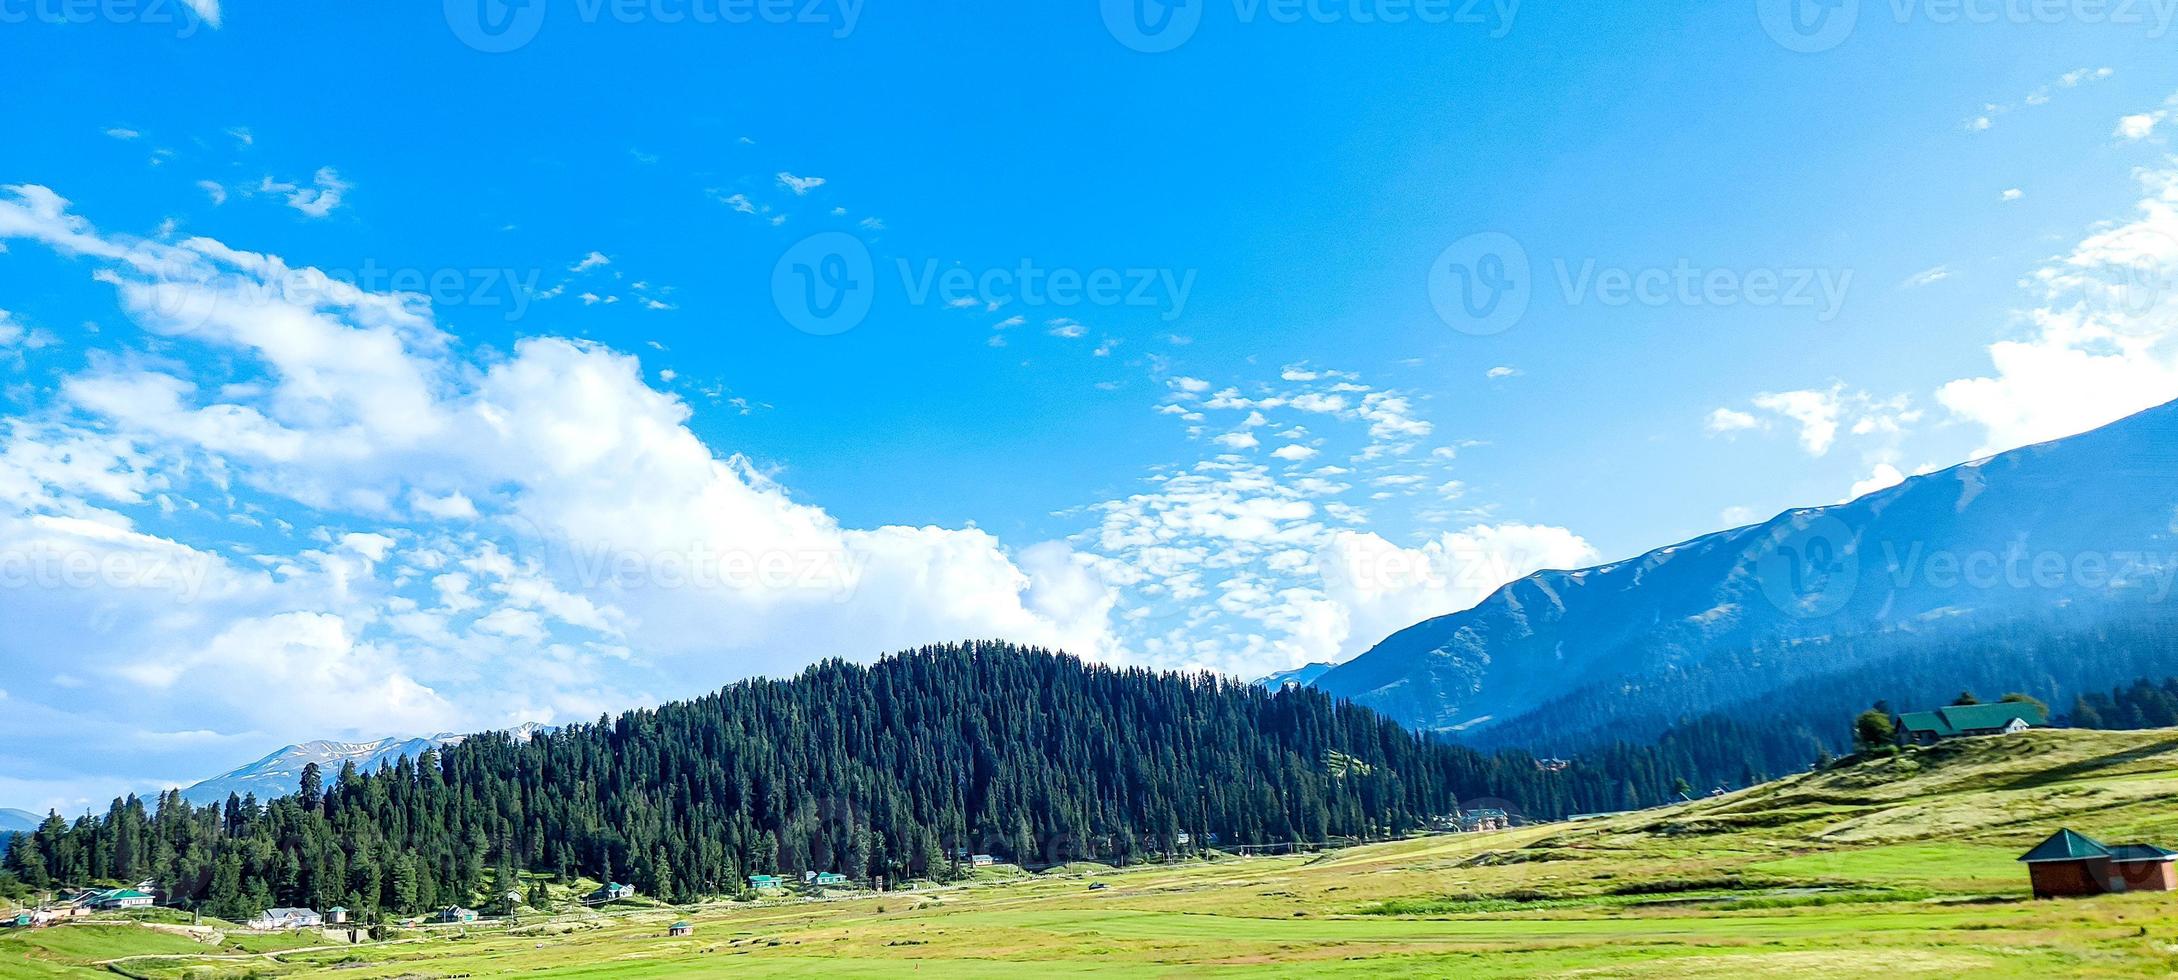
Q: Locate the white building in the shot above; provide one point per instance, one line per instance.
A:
(277, 919)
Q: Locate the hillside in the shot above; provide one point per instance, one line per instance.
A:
(890, 771)
(1904, 867)
(2070, 535)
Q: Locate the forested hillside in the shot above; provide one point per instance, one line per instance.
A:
(2142, 704)
(887, 770)
(2054, 658)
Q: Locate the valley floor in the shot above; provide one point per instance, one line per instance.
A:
(1902, 867)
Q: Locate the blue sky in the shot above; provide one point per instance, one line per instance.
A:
(579, 360)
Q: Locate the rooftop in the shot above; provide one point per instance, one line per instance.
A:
(1961, 718)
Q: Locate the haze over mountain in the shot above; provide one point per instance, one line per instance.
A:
(2081, 532)
(279, 773)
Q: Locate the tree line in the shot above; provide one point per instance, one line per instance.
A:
(893, 771)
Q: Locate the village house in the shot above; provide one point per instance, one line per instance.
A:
(765, 882)
(681, 929)
(457, 914)
(118, 898)
(1968, 721)
(981, 860)
(826, 878)
(2071, 864)
(336, 915)
(272, 920)
(612, 891)
(1485, 818)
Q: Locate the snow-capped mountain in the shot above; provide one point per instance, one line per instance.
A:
(280, 773)
(2083, 530)
(1302, 676)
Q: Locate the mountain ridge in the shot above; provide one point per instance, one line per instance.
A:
(1968, 546)
(279, 773)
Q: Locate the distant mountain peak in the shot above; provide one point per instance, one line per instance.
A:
(1301, 676)
(280, 773)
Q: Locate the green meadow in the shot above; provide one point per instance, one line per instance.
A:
(1902, 867)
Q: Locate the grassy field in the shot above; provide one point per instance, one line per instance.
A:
(1902, 867)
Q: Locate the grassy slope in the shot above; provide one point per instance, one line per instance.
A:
(1903, 867)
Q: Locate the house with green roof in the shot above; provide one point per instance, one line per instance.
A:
(1968, 721)
(2072, 864)
(122, 898)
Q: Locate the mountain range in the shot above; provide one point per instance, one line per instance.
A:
(2079, 533)
(280, 773)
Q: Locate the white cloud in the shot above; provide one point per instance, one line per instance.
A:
(1504, 372)
(1885, 477)
(208, 10)
(590, 261)
(2102, 344)
(2011, 194)
(1295, 452)
(315, 201)
(1815, 411)
(1725, 420)
(799, 185)
(1928, 277)
(213, 190)
(2139, 126)
(1381, 588)
(577, 504)
(120, 133)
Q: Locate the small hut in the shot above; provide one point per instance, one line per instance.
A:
(681, 929)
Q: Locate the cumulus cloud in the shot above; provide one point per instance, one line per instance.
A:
(1381, 588)
(2102, 341)
(535, 530)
